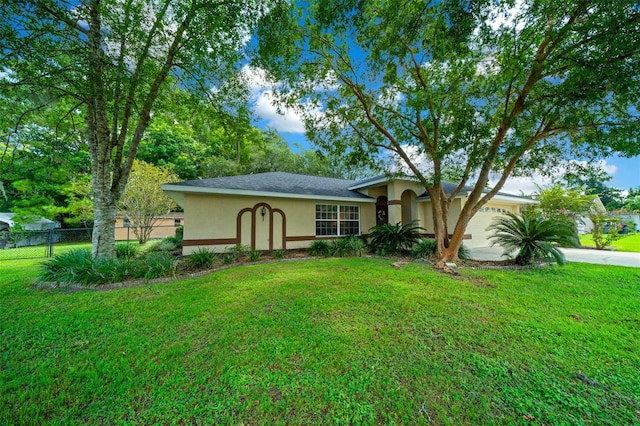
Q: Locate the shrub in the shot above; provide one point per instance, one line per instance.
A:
(126, 250)
(179, 233)
(605, 230)
(77, 266)
(254, 255)
(348, 246)
(424, 248)
(158, 264)
(278, 253)
(234, 253)
(201, 258)
(67, 267)
(103, 271)
(165, 244)
(394, 239)
(320, 248)
(464, 252)
(531, 237)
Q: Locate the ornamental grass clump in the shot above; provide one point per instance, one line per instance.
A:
(79, 267)
(201, 258)
(533, 238)
(320, 248)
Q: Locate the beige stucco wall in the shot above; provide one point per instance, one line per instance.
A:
(214, 217)
(477, 225)
(164, 227)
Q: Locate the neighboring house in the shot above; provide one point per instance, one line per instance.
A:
(584, 223)
(628, 218)
(39, 226)
(165, 226)
(36, 224)
(278, 210)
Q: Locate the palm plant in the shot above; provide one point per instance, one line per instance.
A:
(394, 239)
(533, 238)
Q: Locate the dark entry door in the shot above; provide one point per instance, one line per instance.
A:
(382, 210)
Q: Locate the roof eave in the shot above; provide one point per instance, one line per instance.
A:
(247, 193)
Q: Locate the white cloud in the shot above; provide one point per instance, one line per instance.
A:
(279, 117)
(284, 119)
(532, 184)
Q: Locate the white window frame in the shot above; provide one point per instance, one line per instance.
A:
(338, 219)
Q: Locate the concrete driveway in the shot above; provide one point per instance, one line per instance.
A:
(600, 257)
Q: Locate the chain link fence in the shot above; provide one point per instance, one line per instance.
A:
(38, 244)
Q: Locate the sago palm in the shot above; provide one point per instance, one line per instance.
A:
(533, 238)
(394, 239)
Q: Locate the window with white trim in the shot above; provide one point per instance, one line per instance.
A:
(336, 220)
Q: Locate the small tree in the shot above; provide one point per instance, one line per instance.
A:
(564, 205)
(602, 234)
(143, 201)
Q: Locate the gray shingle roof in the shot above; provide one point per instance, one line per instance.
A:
(279, 182)
(294, 184)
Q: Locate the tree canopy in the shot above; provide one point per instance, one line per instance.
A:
(460, 90)
(111, 60)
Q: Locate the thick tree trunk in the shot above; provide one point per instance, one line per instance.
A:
(103, 237)
(439, 222)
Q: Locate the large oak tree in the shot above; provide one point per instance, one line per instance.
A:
(111, 59)
(469, 91)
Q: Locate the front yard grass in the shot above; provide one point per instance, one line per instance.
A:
(629, 242)
(326, 341)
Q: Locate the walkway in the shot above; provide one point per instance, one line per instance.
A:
(600, 257)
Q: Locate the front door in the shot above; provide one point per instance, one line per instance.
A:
(382, 210)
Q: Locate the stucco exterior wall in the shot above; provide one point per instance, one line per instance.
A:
(476, 228)
(164, 227)
(218, 222)
(478, 224)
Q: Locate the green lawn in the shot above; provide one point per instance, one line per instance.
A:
(326, 341)
(629, 242)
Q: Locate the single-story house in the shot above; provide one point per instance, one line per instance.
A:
(277, 210)
(39, 228)
(584, 222)
(165, 226)
(36, 224)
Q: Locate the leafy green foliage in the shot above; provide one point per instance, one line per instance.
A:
(347, 246)
(79, 267)
(464, 252)
(424, 248)
(66, 267)
(165, 244)
(254, 255)
(143, 201)
(126, 250)
(179, 233)
(278, 253)
(320, 248)
(201, 258)
(394, 239)
(605, 229)
(531, 237)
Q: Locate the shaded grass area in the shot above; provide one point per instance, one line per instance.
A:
(629, 242)
(331, 341)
